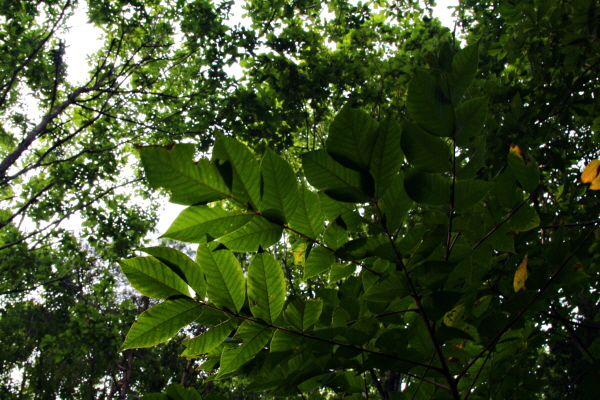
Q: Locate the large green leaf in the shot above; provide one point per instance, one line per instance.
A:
(161, 322)
(425, 151)
(173, 169)
(180, 392)
(258, 232)
(464, 67)
(389, 288)
(337, 181)
(239, 169)
(152, 278)
(470, 118)
(195, 222)
(526, 172)
(525, 219)
(182, 265)
(428, 105)
(470, 192)
(279, 188)
(302, 314)
(319, 260)
(309, 218)
(427, 188)
(224, 277)
(335, 236)
(208, 340)
(352, 137)
(266, 287)
(254, 337)
(395, 204)
(387, 156)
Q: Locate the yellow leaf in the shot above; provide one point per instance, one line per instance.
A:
(517, 150)
(590, 173)
(454, 316)
(521, 275)
(595, 184)
(299, 250)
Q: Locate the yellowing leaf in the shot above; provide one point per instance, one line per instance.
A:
(517, 150)
(595, 184)
(454, 316)
(299, 251)
(521, 275)
(590, 174)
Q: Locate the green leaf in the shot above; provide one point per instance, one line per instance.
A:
(266, 287)
(309, 218)
(395, 204)
(428, 106)
(470, 192)
(470, 118)
(302, 314)
(335, 236)
(152, 278)
(224, 277)
(161, 322)
(173, 169)
(527, 173)
(424, 151)
(387, 156)
(254, 337)
(182, 265)
(240, 170)
(209, 340)
(352, 137)
(258, 232)
(279, 188)
(194, 223)
(464, 68)
(389, 288)
(362, 331)
(319, 260)
(341, 271)
(335, 180)
(525, 219)
(426, 188)
(180, 392)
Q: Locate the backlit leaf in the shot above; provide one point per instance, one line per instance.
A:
(309, 219)
(208, 340)
(258, 232)
(590, 171)
(254, 337)
(521, 275)
(302, 314)
(224, 277)
(428, 105)
(319, 260)
(387, 156)
(279, 188)
(266, 287)
(152, 278)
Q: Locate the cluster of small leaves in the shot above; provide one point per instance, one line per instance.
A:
(450, 299)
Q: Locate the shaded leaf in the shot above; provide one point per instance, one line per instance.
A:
(425, 151)
(428, 106)
(319, 260)
(302, 314)
(389, 288)
(470, 118)
(427, 188)
(279, 188)
(387, 156)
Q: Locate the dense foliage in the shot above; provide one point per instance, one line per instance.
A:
(413, 209)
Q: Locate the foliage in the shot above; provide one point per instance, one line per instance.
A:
(453, 297)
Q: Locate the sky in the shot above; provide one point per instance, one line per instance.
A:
(83, 40)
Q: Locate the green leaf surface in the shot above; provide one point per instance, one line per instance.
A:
(208, 340)
(319, 260)
(337, 181)
(427, 188)
(266, 287)
(525, 219)
(180, 392)
(302, 314)
(152, 278)
(161, 322)
(258, 232)
(309, 219)
(387, 156)
(279, 188)
(352, 137)
(464, 68)
(425, 151)
(527, 173)
(195, 222)
(428, 106)
(470, 192)
(335, 236)
(470, 118)
(224, 277)
(254, 337)
(395, 204)
(182, 265)
(389, 288)
(173, 169)
(239, 167)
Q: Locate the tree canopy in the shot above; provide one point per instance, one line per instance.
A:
(382, 207)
